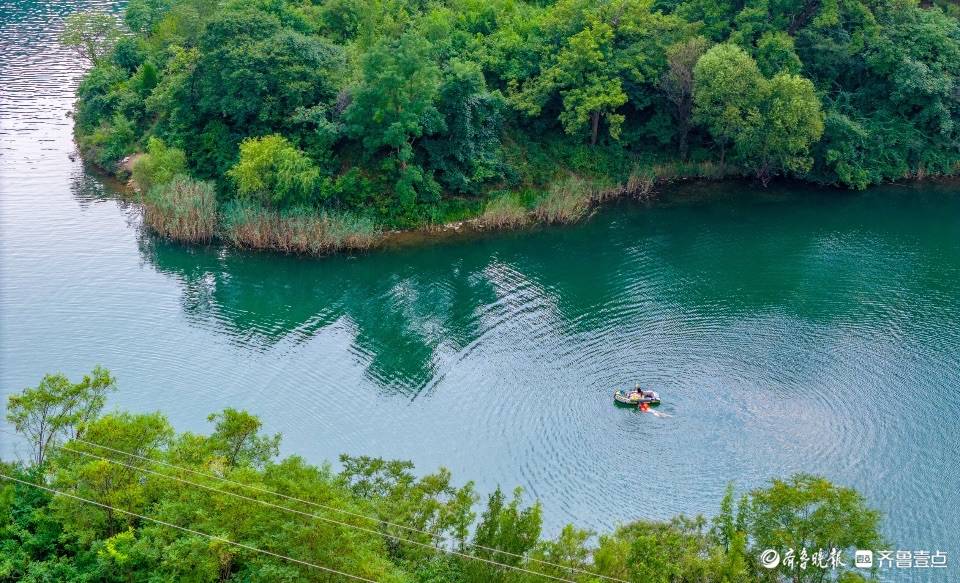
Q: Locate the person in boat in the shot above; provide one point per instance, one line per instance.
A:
(637, 392)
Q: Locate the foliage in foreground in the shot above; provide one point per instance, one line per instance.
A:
(394, 110)
(44, 537)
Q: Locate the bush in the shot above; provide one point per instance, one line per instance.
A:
(110, 142)
(275, 173)
(158, 166)
(183, 209)
(298, 230)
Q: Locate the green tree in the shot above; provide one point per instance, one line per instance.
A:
(468, 152)
(593, 58)
(779, 134)
(237, 439)
(588, 80)
(809, 512)
(93, 34)
(567, 554)
(142, 15)
(275, 173)
(505, 526)
(775, 54)
(430, 504)
(677, 83)
(772, 124)
(254, 73)
(727, 93)
(94, 476)
(57, 408)
(394, 106)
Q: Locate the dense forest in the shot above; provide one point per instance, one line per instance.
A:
(306, 125)
(123, 497)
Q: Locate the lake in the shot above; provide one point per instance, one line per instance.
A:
(788, 329)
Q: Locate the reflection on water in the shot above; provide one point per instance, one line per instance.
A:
(789, 329)
(399, 318)
(824, 266)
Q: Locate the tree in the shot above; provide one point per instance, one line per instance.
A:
(58, 408)
(678, 550)
(430, 504)
(395, 105)
(93, 34)
(114, 484)
(142, 15)
(777, 138)
(772, 124)
(726, 93)
(275, 173)
(244, 74)
(677, 83)
(592, 90)
(808, 512)
(775, 54)
(507, 527)
(237, 439)
(568, 551)
(468, 153)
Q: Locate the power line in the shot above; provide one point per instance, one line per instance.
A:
(188, 530)
(342, 511)
(318, 517)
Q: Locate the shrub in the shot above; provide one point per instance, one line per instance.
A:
(110, 142)
(275, 173)
(159, 165)
(182, 209)
(298, 230)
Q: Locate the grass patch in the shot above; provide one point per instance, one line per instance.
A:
(505, 211)
(299, 230)
(567, 200)
(706, 169)
(182, 209)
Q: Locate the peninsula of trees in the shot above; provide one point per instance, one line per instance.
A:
(311, 125)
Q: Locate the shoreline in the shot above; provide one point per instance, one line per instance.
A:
(464, 229)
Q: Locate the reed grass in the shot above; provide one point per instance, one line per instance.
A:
(182, 209)
(299, 230)
(504, 212)
(567, 200)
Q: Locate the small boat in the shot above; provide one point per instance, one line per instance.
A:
(634, 398)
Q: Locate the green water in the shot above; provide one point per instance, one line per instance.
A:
(787, 329)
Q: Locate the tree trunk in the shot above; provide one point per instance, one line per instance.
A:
(684, 131)
(595, 130)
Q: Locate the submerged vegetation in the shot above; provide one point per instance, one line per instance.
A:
(124, 497)
(401, 114)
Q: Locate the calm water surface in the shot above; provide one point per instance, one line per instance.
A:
(789, 329)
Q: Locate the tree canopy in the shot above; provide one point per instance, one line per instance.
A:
(411, 112)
